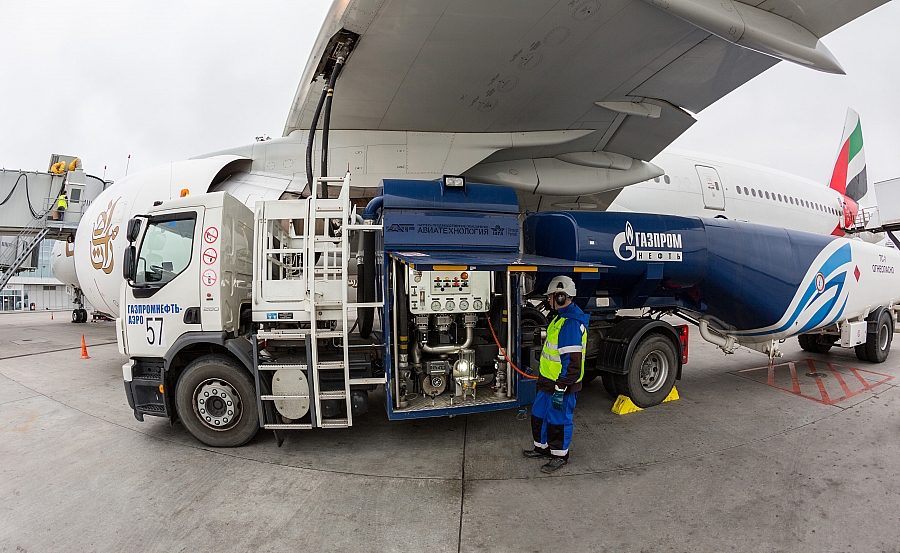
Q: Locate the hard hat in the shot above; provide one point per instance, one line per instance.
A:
(561, 283)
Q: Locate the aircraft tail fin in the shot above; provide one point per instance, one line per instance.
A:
(849, 177)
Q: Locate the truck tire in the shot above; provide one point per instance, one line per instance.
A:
(652, 371)
(878, 343)
(216, 401)
(609, 384)
(814, 343)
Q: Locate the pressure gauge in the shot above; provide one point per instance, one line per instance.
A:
(477, 305)
(418, 278)
(435, 305)
(464, 305)
(450, 306)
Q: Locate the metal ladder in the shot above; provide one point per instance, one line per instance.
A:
(34, 233)
(326, 287)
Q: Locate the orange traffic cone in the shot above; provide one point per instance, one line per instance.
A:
(51, 315)
(84, 354)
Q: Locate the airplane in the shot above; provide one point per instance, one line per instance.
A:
(705, 186)
(559, 102)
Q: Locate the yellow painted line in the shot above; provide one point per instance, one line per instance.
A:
(586, 269)
(522, 268)
(450, 267)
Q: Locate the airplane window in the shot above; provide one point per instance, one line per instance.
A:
(753, 191)
(738, 189)
(767, 194)
(667, 179)
(792, 200)
(746, 192)
(656, 179)
(779, 198)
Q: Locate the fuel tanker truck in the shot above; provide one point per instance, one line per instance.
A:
(238, 319)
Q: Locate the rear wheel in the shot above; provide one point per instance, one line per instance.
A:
(815, 343)
(878, 343)
(609, 384)
(216, 402)
(652, 372)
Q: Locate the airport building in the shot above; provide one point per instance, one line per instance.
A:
(34, 288)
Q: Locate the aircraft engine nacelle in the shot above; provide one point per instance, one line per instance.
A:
(100, 238)
(62, 263)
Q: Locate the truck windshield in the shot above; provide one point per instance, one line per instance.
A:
(166, 249)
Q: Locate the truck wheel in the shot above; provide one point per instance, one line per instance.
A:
(878, 343)
(814, 343)
(609, 384)
(651, 373)
(216, 402)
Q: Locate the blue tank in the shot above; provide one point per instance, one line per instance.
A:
(740, 273)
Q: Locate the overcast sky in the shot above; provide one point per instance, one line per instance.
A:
(167, 80)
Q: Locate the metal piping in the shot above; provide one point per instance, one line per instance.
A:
(470, 336)
(726, 343)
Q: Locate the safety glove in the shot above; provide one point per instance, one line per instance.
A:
(558, 398)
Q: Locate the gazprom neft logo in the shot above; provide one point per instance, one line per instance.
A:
(647, 246)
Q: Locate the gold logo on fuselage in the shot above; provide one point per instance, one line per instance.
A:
(102, 238)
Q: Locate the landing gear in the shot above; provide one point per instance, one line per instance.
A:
(79, 315)
(216, 401)
(652, 373)
(878, 343)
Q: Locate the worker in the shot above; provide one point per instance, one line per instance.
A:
(561, 372)
(62, 203)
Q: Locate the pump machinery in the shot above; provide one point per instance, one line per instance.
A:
(239, 320)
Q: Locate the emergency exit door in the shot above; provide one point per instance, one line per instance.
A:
(712, 188)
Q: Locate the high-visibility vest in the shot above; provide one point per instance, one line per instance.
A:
(62, 202)
(551, 365)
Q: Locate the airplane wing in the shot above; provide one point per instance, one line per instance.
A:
(479, 66)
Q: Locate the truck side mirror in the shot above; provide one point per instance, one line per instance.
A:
(128, 265)
(134, 228)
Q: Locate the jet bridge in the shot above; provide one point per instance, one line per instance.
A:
(28, 212)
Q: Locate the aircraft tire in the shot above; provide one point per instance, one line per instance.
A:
(813, 344)
(652, 372)
(219, 387)
(76, 316)
(878, 343)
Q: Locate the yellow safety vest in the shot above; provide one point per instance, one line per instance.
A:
(551, 365)
(62, 202)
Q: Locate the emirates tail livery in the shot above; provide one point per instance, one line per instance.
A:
(715, 187)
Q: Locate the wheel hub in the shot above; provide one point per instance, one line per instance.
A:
(883, 336)
(654, 371)
(217, 404)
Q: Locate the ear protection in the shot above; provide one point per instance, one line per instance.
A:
(559, 298)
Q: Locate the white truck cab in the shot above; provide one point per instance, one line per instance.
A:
(188, 274)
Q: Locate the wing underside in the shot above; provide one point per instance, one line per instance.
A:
(476, 66)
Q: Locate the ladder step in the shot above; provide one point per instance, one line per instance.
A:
(329, 302)
(332, 394)
(328, 239)
(330, 179)
(330, 334)
(367, 381)
(269, 397)
(330, 365)
(366, 304)
(335, 423)
(363, 227)
(292, 334)
(278, 367)
(288, 426)
(330, 208)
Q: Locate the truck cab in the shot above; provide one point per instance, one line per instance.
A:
(188, 274)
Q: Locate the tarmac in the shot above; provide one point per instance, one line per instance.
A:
(748, 459)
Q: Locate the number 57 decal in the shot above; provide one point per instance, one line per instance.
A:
(155, 336)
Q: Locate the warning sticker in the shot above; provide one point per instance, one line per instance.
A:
(211, 234)
(208, 277)
(210, 255)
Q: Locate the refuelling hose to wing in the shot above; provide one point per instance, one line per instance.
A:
(508, 360)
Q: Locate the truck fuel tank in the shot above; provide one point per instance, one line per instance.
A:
(738, 272)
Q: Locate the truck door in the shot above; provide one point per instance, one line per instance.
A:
(166, 284)
(712, 188)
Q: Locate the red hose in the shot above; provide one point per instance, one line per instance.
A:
(504, 352)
